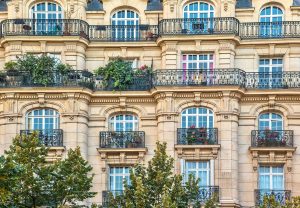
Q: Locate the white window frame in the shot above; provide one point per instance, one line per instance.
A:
(211, 168)
(124, 175)
(33, 10)
(209, 115)
(113, 121)
(271, 65)
(271, 174)
(271, 15)
(270, 120)
(30, 116)
(199, 11)
(198, 61)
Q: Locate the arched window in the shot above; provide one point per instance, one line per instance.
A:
(42, 119)
(271, 18)
(270, 121)
(125, 25)
(123, 122)
(197, 118)
(198, 10)
(198, 18)
(46, 17)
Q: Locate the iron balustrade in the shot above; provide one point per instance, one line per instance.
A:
(122, 139)
(262, 80)
(266, 30)
(138, 83)
(47, 137)
(199, 26)
(123, 33)
(208, 192)
(197, 136)
(281, 196)
(73, 78)
(200, 77)
(45, 27)
(205, 193)
(272, 138)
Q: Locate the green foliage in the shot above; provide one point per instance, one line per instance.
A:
(156, 186)
(295, 203)
(71, 181)
(26, 180)
(119, 74)
(42, 70)
(117, 71)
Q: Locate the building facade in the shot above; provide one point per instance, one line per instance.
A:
(224, 94)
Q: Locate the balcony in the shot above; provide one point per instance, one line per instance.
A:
(268, 146)
(53, 79)
(106, 195)
(198, 77)
(208, 192)
(199, 26)
(205, 193)
(123, 147)
(123, 33)
(192, 141)
(45, 27)
(282, 80)
(267, 30)
(48, 137)
(139, 83)
(270, 138)
(281, 196)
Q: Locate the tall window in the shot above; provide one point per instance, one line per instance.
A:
(271, 18)
(271, 178)
(197, 117)
(198, 18)
(124, 123)
(46, 17)
(200, 169)
(197, 69)
(271, 121)
(125, 25)
(42, 119)
(117, 176)
(270, 73)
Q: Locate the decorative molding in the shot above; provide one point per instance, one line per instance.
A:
(122, 156)
(105, 100)
(272, 155)
(197, 152)
(255, 99)
(140, 100)
(55, 153)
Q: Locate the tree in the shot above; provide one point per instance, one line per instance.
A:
(270, 202)
(71, 181)
(27, 180)
(156, 186)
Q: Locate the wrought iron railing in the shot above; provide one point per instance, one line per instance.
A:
(197, 136)
(212, 77)
(199, 26)
(208, 192)
(45, 27)
(123, 32)
(272, 138)
(122, 139)
(138, 83)
(107, 194)
(73, 78)
(260, 30)
(48, 137)
(261, 80)
(281, 196)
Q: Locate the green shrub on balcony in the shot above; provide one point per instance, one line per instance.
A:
(38, 70)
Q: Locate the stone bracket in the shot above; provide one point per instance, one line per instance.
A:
(197, 152)
(272, 155)
(122, 156)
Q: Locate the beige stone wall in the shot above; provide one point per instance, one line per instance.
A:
(85, 113)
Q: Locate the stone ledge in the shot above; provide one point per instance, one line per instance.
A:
(198, 152)
(122, 156)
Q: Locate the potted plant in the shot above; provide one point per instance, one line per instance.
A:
(11, 68)
(191, 136)
(116, 75)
